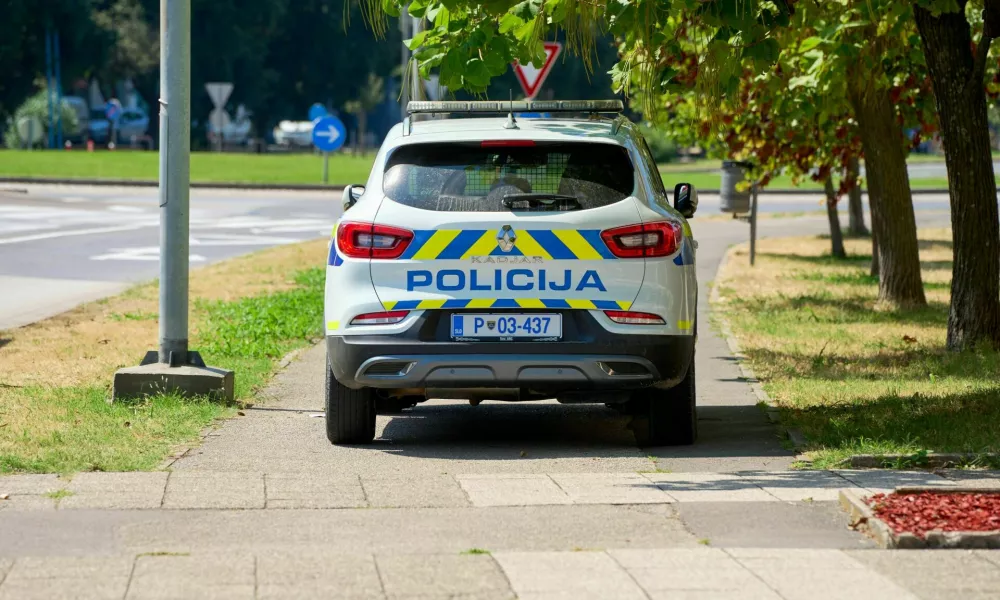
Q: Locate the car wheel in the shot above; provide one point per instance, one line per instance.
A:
(667, 417)
(350, 414)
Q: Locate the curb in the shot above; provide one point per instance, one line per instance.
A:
(863, 519)
(798, 440)
(302, 187)
(933, 460)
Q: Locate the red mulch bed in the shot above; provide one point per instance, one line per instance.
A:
(929, 511)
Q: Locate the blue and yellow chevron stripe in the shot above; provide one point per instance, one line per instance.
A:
(507, 303)
(550, 244)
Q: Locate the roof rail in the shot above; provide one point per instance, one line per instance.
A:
(504, 106)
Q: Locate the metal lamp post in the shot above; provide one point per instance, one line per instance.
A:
(174, 367)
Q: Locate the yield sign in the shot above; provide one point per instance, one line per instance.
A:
(219, 93)
(531, 78)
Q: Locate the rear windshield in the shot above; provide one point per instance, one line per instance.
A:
(470, 177)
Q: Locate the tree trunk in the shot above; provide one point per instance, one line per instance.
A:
(893, 223)
(836, 235)
(874, 269)
(855, 207)
(957, 76)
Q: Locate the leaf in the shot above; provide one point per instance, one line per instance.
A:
(509, 22)
(763, 53)
(802, 81)
(527, 10)
(415, 42)
(477, 73)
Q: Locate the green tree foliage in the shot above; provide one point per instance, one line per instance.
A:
(38, 107)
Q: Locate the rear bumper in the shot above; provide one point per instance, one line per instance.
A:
(598, 360)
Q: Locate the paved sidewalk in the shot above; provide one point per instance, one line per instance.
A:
(624, 574)
(251, 490)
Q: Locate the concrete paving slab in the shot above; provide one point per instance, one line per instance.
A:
(404, 530)
(701, 569)
(64, 589)
(512, 490)
(814, 582)
(188, 489)
(428, 491)
(610, 488)
(771, 524)
(963, 477)
(295, 490)
(5, 566)
(116, 490)
(568, 575)
(30, 484)
(798, 486)
(884, 481)
(753, 594)
(27, 502)
(989, 555)
(709, 487)
(936, 573)
(416, 575)
(62, 577)
(200, 575)
(317, 574)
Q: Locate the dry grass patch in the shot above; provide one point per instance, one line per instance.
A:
(55, 375)
(854, 379)
(86, 345)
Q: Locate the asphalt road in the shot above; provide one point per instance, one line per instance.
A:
(63, 245)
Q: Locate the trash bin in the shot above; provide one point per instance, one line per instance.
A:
(732, 199)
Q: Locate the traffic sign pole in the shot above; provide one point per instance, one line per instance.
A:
(326, 167)
(175, 154)
(328, 135)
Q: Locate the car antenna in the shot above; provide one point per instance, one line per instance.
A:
(511, 123)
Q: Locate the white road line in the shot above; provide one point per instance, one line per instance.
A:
(72, 232)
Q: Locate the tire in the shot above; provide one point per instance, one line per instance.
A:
(667, 417)
(350, 414)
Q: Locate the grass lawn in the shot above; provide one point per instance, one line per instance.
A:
(853, 380)
(205, 166)
(55, 375)
(300, 168)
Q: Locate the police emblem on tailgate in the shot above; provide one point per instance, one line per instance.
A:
(491, 324)
(506, 238)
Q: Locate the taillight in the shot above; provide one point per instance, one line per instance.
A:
(659, 238)
(628, 317)
(380, 318)
(365, 240)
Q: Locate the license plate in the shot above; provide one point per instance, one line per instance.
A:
(506, 326)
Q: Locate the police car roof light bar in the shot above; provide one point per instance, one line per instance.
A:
(490, 106)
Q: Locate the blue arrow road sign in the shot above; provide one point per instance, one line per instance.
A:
(113, 109)
(328, 134)
(317, 111)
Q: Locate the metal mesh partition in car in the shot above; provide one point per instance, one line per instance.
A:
(542, 178)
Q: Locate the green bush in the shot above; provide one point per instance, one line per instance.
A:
(663, 148)
(37, 106)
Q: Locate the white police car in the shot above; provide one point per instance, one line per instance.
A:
(513, 259)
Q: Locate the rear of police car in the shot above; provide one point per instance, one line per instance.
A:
(490, 258)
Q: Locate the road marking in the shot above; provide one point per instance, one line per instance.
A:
(59, 234)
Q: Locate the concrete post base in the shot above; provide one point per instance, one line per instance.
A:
(190, 379)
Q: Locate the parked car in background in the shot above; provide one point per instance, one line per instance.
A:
(132, 124)
(293, 133)
(98, 126)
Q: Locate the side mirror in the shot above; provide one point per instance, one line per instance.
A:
(685, 199)
(351, 195)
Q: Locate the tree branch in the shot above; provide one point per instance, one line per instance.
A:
(991, 29)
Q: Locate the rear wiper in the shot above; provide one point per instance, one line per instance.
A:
(538, 201)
